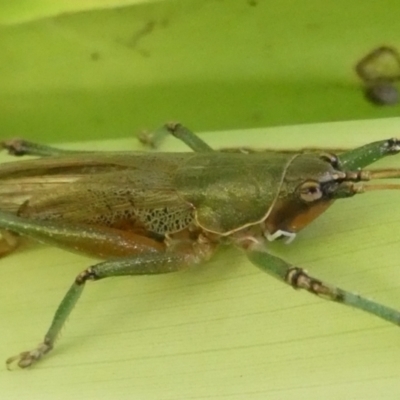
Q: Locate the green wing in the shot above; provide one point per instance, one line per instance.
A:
(124, 190)
(223, 191)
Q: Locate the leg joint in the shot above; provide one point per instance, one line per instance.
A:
(172, 127)
(299, 279)
(393, 145)
(15, 147)
(87, 274)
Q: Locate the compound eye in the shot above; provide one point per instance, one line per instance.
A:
(310, 191)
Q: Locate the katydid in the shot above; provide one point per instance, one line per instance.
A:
(153, 213)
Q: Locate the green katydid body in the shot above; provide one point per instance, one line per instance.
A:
(156, 213)
(157, 193)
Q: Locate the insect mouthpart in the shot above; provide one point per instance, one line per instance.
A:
(338, 187)
(345, 183)
(280, 234)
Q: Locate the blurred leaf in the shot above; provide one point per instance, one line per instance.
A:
(77, 70)
(27, 10)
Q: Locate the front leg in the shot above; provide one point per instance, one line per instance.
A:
(298, 278)
(181, 255)
(363, 156)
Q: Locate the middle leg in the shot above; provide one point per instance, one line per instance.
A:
(298, 278)
(179, 257)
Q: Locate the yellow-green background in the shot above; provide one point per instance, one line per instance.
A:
(68, 73)
(224, 330)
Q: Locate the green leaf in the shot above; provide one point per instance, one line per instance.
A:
(105, 69)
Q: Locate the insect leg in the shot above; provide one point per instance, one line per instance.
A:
(180, 132)
(145, 264)
(365, 155)
(188, 137)
(20, 147)
(299, 279)
(95, 240)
